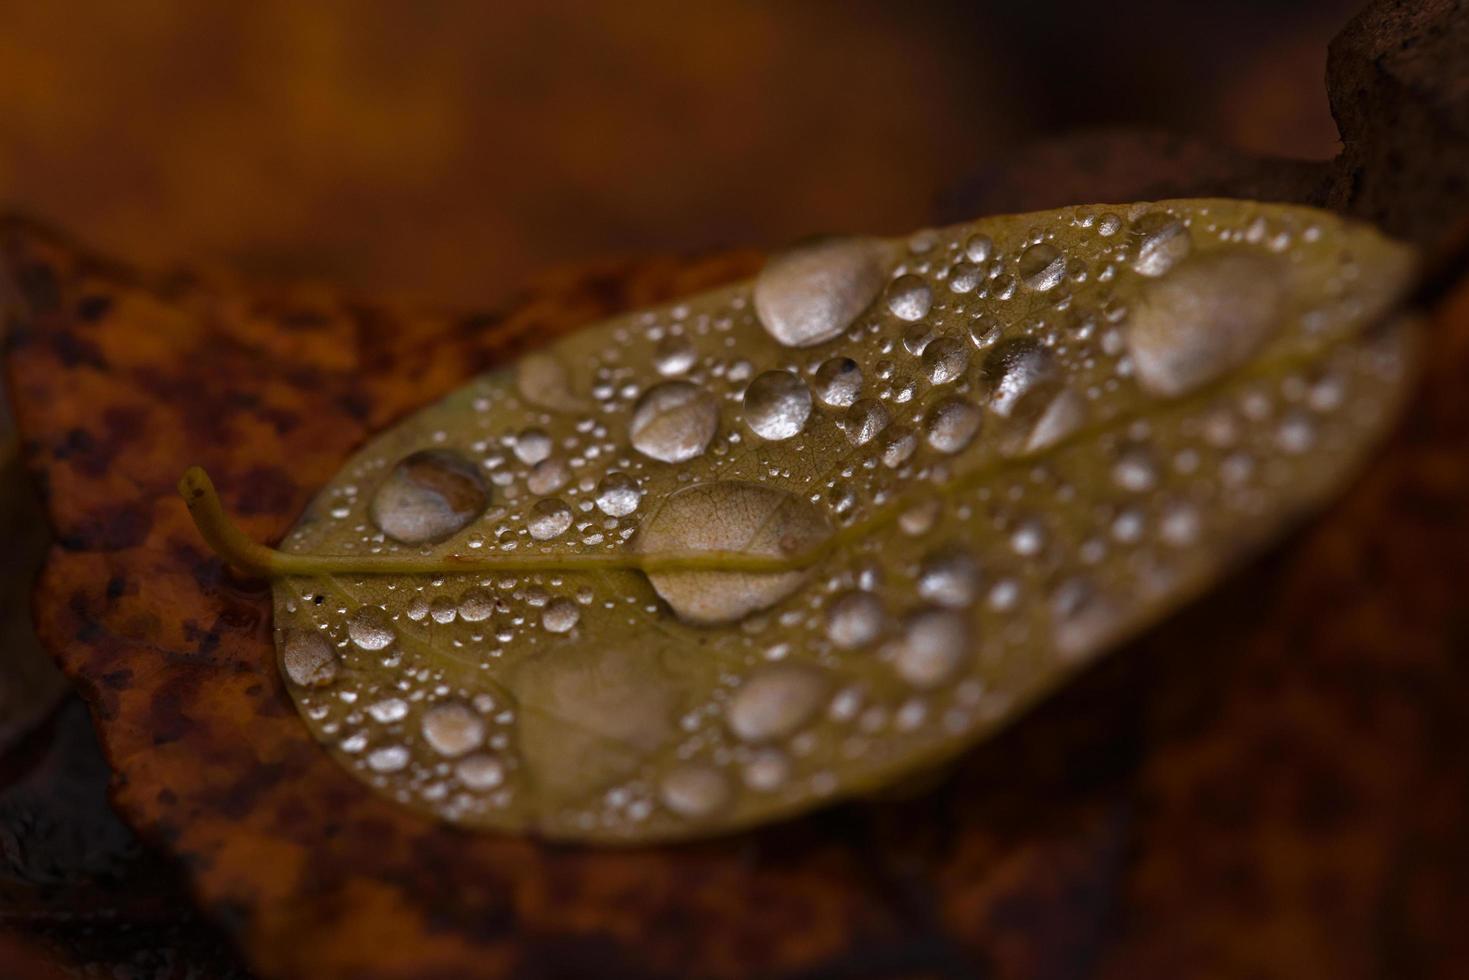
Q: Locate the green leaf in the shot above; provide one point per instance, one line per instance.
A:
(706, 565)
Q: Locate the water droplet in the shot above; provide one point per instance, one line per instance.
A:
(548, 476)
(307, 659)
(560, 616)
(979, 248)
(909, 298)
(452, 729)
(838, 382)
(1180, 525)
(388, 710)
(618, 494)
(934, 647)
(1202, 321)
(854, 620)
(1041, 267)
(543, 381)
(898, 446)
(776, 701)
(476, 605)
(1162, 242)
(777, 404)
(729, 516)
(549, 518)
(767, 771)
(965, 278)
(674, 355)
(480, 772)
(1028, 538)
(1134, 470)
(949, 578)
(864, 420)
(428, 496)
(945, 359)
(532, 446)
(952, 424)
(1029, 394)
(673, 422)
(389, 758)
(1296, 433)
(693, 790)
(811, 294)
(370, 629)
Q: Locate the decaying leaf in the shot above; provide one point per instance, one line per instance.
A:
(803, 535)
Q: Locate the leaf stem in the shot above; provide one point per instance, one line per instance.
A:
(235, 547)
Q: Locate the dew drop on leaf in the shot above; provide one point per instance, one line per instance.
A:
(428, 496)
(777, 404)
(811, 294)
(673, 422)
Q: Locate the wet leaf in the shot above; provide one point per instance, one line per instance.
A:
(1029, 437)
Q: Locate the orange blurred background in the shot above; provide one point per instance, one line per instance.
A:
(445, 152)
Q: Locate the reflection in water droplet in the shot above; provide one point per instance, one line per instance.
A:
(560, 616)
(1203, 320)
(909, 298)
(952, 424)
(776, 701)
(863, 421)
(693, 790)
(811, 294)
(476, 605)
(548, 519)
(898, 445)
(370, 629)
(307, 659)
(855, 619)
(934, 647)
(452, 729)
(428, 496)
(673, 422)
(1162, 242)
(838, 382)
(978, 248)
(777, 404)
(618, 494)
(1041, 267)
(945, 359)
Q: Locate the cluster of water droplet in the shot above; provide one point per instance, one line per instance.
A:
(999, 444)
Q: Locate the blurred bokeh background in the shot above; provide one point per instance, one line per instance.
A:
(445, 151)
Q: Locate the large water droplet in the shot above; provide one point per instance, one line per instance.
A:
(548, 519)
(854, 620)
(909, 298)
(777, 404)
(307, 659)
(428, 496)
(729, 516)
(1029, 395)
(1162, 242)
(1041, 267)
(370, 628)
(952, 424)
(1202, 321)
(863, 421)
(934, 646)
(811, 294)
(452, 729)
(673, 422)
(838, 382)
(776, 701)
(618, 494)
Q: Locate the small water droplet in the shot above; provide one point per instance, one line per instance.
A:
(560, 616)
(898, 445)
(949, 578)
(307, 659)
(1162, 242)
(978, 248)
(548, 476)
(452, 729)
(549, 519)
(694, 790)
(944, 360)
(934, 647)
(532, 446)
(854, 620)
(674, 355)
(389, 758)
(370, 629)
(864, 420)
(1134, 470)
(838, 382)
(476, 606)
(673, 422)
(618, 494)
(909, 298)
(777, 404)
(767, 771)
(952, 424)
(1029, 394)
(480, 772)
